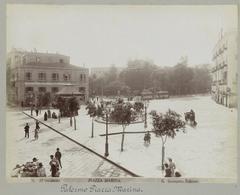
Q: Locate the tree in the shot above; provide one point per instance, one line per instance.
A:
(181, 78)
(62, 106)
(124, 114)
(138, 107)
(201, 82)
(166, 125)
(138, 74)
(45, 99)
(112, 74)
(73, 108)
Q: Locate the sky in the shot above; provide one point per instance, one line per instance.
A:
(96, 36)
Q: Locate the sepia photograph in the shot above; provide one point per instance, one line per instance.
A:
(121, 93)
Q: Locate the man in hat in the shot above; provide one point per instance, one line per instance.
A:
(41, 170)
(172, 166)
(58, 156)
(26, 129)
(35, 162)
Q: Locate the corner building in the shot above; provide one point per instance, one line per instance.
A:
(34, 73)
(224, 71)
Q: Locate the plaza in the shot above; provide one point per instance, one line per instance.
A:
(207, 151)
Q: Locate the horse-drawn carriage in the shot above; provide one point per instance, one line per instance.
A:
(190, 117)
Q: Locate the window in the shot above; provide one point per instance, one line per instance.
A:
(66, 77)
(54, 89)
(82, 89)
(42, 89)
(55, 77)
(28, 76)
(28, 89)
(61, 61)
(42, 76)
(83, 77)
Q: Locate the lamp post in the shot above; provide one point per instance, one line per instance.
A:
(107, 111)
(146, 103)
(93, 115)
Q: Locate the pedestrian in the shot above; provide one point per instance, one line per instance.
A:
(31, 110)
(49, 113)
(33, 167)
(37, 125)
(45, 116)
(36, 131)
(41, 172)
(16, 172)
(167, 171)
(172, 166)
(35, 162)
(36, 111)
(54, 115)
(54, 166)
(177, 174)
(26, 129)
(58, 156)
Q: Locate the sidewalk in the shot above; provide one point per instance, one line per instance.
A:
(77, 162)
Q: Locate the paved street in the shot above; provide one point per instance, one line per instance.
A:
(208, 151)
(76, 161)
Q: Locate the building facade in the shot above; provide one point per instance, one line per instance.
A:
(224, 71)
(33, 74)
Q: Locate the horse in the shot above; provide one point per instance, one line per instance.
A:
(147, 138)
(190, 116)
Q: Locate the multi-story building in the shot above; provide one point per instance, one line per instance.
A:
(34, 73)
(224, 71)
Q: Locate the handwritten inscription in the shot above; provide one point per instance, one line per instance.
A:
(96, 189)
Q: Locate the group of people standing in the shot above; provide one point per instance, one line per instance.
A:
(49, 115)
(36, 168)
(170, 169)
(37, 110)
(55, 163)
(36, 130)
(29, 169)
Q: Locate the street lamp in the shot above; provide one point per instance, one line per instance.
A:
(146, 103)
(107, 111)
